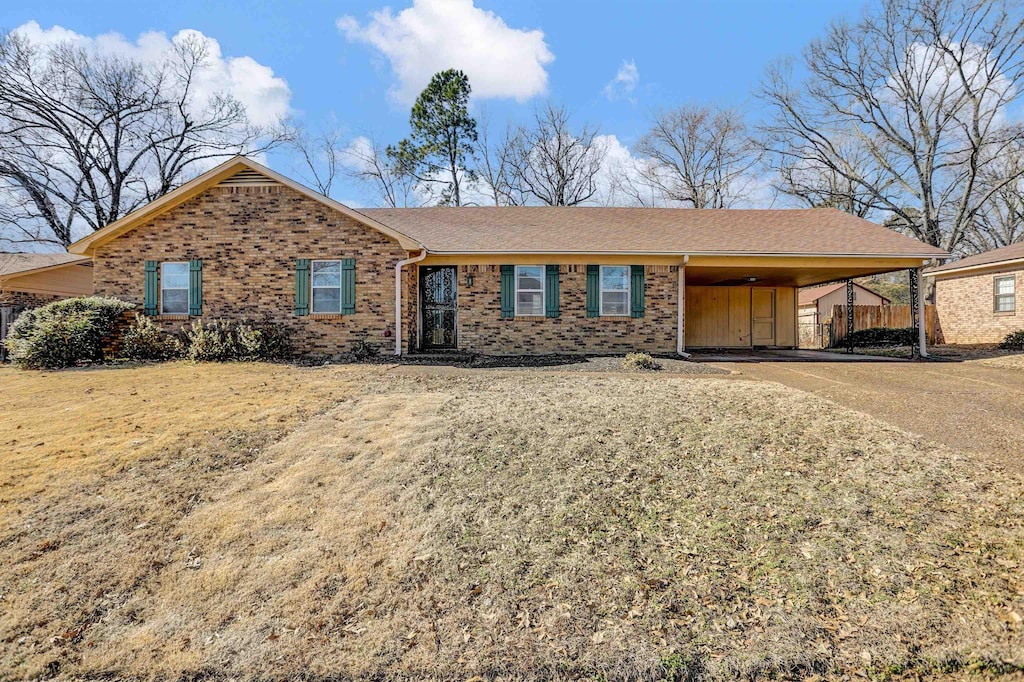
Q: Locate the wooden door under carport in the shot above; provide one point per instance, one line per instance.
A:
(762, 317)
(722, 317)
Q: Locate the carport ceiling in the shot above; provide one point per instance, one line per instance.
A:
(779, 277)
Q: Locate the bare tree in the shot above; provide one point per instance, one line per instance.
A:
(1000, 221)
(321, 155)
(699, 156)
(369, 163)
(818, 185)
(86, 138)
(920, 89)
(495, 164)
(553, 164)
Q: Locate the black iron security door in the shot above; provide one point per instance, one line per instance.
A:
(437, 301)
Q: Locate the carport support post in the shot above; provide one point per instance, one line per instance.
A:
(915, 322)
(918, 347)
(849, 316)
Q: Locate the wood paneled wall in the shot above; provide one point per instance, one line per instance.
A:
(719, 317)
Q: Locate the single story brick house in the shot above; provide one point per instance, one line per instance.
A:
(29, 280)
(815, 303)
(978, 298)
(244, 242)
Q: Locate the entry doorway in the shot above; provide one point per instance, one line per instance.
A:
(438, 306)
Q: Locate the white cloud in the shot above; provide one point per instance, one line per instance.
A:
(266, 97)
(624, 83)
(434, 35)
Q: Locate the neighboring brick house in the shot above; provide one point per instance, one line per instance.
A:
(29, 280)
(978, 299)
(244, 242)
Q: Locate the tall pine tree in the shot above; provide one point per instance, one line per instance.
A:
(439, 151)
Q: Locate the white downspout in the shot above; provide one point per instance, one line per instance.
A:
(681, 310)
(398, 297)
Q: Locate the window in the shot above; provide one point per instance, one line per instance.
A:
(529, 290)
(326, 285)
(174, 288)
(1005, 294)
(615, 290)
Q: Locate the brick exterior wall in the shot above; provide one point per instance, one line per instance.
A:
(965, 308)
(249, 238)
(23, 299)
(481, 329)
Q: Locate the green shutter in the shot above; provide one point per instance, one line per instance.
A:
(551, 290)
(508, 292)
(636, 291)
(593, 290)
(348, 286)
(195, 287)
(302, 286)
(151, 287)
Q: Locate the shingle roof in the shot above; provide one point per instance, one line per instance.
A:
(812, 294)
(14, 263)
(1011, 252)
(537, 229)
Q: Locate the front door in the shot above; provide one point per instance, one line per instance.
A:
(437, 306)
(762, 317)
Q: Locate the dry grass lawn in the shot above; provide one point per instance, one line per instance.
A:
(275, 522)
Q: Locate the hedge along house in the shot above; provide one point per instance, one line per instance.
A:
(978, 299)
(244, 242)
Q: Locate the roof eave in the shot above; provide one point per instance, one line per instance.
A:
(538, 252)
(88, 245)
(939, 272)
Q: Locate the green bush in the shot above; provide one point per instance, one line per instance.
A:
(144, 340)
(223, 341)
(1013, 341)
(64, 333)
(881, 336)
(641, 361)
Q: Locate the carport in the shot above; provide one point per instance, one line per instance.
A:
(752, 303)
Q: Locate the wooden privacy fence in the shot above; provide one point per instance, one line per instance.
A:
(889, 316)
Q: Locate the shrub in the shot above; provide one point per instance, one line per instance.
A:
(222, 341)
(362, 350)
(144, 340)
(64, 333)
(641, 361)
(1013, 341)
(882, 336)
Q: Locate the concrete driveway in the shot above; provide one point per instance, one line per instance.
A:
(971, 407)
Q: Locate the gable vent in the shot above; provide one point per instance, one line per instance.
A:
(248, 178)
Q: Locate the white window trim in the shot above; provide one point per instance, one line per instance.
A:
(628, 290)
(187, 288)
(312, 287)
(542, 290)
(1012, 295)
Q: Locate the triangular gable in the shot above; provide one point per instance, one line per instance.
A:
(238, 171)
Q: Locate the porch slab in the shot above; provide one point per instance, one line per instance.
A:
(782, 355)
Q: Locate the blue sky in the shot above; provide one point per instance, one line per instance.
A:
(356, 75)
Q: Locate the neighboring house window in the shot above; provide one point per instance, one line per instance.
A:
(326, 285)
(529, 290)
(1005, 294)
(615, 290)
(174, 288)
